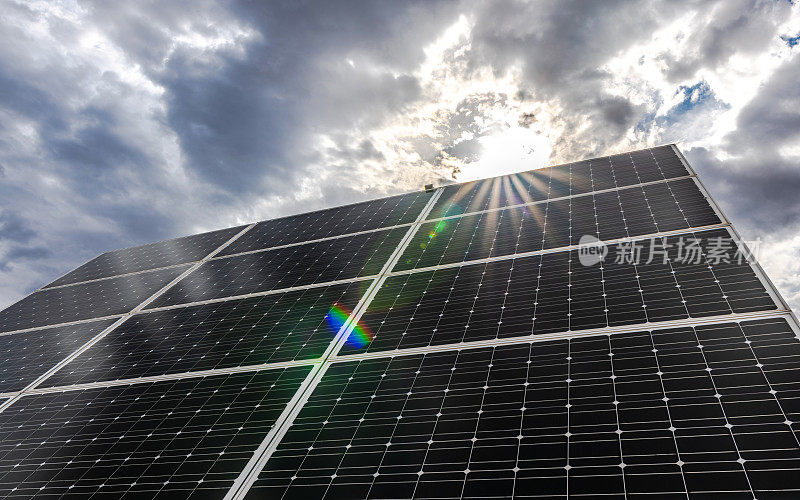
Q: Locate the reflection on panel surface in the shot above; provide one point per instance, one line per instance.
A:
(265, 329)
(25, 356)
(330, 260)
(635, 211)
(86, 300)
(331, 222)
(555, 292)
(151, 256)
(178, 439)
(702, 411)
(569, 179)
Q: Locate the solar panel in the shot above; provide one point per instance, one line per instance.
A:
(264, 329)
(312, 263)
(184, 438)
(570, 179)
(628, 212)
(553, 292)
(152, 256)
(25, 356)
(113, 296)
(685, 411)
(588, 330)
(366, 216)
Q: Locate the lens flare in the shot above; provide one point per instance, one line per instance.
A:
(452, 209)
(337, 316)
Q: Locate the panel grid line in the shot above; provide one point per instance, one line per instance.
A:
(520, 255)
(56, 325)
(218, 257)
(396, 273)
(317, 240)
(165, 377)
(545, 337)
(122, 275)
(439, 266)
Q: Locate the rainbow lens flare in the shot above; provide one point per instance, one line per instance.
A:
(438, 228)
(360, 336)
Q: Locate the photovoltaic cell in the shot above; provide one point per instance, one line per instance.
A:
(264, 329)
(563, 180)
(320, 262)
(25, 356)
(86, 300)
(554, 292)
(178, 439)
(701, 412)
(336, 221)
(618, 214)
(151, 256)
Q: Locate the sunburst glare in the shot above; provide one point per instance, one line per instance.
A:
(512, 150)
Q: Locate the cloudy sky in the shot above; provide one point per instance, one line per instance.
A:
(123, 123)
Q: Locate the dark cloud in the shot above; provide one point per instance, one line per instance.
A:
(617, 111)
(556, 42)
(27, 253)
(758, 185)
(771, 119)
(96, 147)
(245, 117)
(731, 27)
(13, 227)
(127, 123)
(561, 48)
(759, 192)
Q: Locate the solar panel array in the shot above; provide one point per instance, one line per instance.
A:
(591, 330)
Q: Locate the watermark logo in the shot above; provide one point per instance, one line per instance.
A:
(591, 250)
(672, 250)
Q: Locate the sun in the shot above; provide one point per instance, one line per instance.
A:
(512, 150)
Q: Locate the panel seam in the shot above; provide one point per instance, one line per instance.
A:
(60, 325)
(518, 255)
(560, 249)
(220, 257)
(104, 278)
(317, 240)
(259, 294)
(566, 334)
(431, 268)
(146, 379)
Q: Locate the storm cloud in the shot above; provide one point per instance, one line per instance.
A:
(122, 124)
